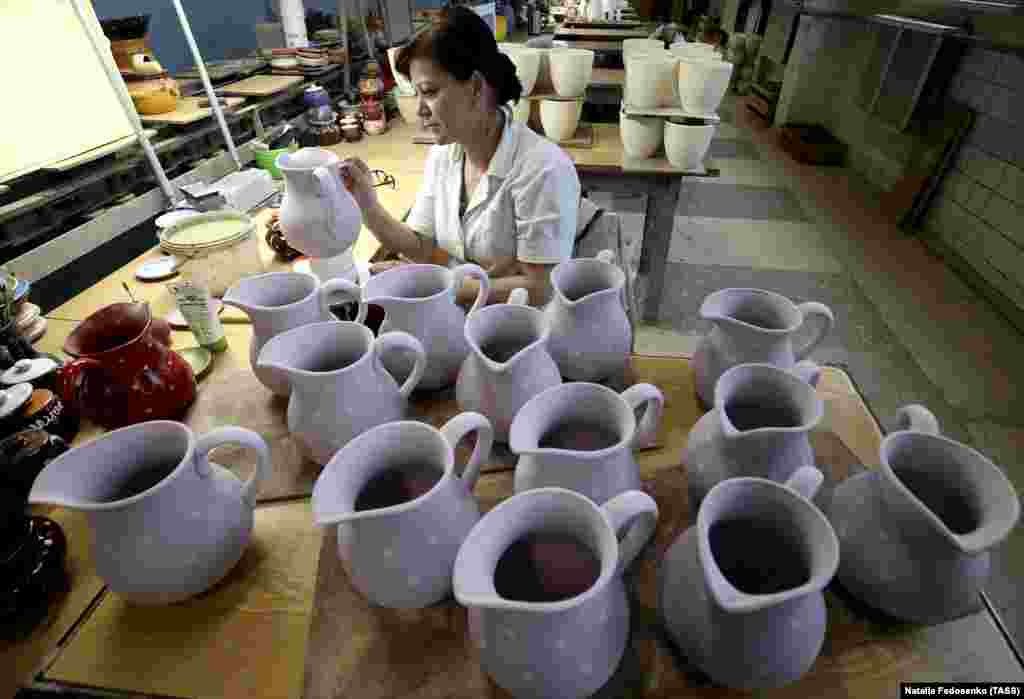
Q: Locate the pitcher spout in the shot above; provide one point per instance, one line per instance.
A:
(761, 312)
(261, 295)
(753, 562)
(71, 481)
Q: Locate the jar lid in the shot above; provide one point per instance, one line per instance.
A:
(11, 399)
(27, 370)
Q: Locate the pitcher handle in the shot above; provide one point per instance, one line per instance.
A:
(806, 481)
(519, 297)
(398, 340)
(236, 435)
(456, 429)
(807, 371)
(72, 375)
(344, 288)
(633, 516)
(917, 418)
(640, 394)
(813, 308)
(471, 270)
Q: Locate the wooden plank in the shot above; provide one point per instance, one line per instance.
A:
(602, 24)
(96, 153)
(357, 649)
(670, 112)
(660, 164)
(260, 85)
(600, 34)
(600, 46)
(188, 111)
(244, 638)
(21, 660)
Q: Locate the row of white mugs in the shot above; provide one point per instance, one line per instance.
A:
(692, 79)
(685, 144)
(691, 76)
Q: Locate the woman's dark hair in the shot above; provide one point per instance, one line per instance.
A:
(461, 42)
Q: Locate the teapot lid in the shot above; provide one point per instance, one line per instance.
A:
(27, 370)
(11, 399)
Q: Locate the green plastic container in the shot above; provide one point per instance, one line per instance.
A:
(267, 160)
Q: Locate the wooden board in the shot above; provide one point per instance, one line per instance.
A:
(600, 34)
(356, 649)
(189, 111)
(660, 164)
(592, 45)
(88, 114)
(260, 85)
(669, 112)
(235, 397)
(20, 661)
(601, 24)
(96, 153)
(583, 138)
(246, 637)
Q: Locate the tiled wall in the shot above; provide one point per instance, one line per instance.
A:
(980, 208)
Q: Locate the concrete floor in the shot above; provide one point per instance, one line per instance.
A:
(908, 328)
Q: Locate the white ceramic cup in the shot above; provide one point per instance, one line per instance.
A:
(651, 80)
(571, 70)
(686, 145)
(527, 62)
(702, 83)
(559, 118)
(630, 45)
(641, 136)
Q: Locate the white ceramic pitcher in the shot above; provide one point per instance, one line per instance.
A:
(401, 555)
(740, 592)
(591, 335)
(753, 326)
(581, 436)
(760, 426)
(340, 387)
(420, 299)
(918, 530)
(497, 385)
(318, 215)
(569, 647)
(277, 302)
(167, 522)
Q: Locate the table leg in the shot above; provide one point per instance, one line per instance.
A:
(662, 199)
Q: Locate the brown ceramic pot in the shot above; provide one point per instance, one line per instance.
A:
(125, 372)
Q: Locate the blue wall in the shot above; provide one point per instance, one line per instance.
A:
(219, 26)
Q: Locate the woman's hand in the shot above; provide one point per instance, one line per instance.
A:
(359, 181)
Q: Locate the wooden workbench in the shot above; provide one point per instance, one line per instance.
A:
(273, 628)
(261, 632)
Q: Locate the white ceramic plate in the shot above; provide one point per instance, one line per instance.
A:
(155, 270)
(171, 217)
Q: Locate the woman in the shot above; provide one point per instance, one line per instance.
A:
(494, 192)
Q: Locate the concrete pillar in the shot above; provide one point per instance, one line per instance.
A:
(809, 80)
